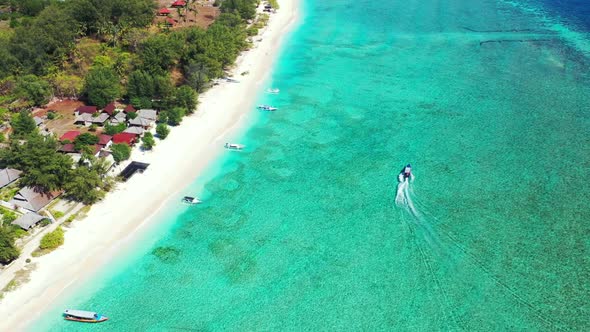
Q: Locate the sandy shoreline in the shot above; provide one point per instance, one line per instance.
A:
(187, 151)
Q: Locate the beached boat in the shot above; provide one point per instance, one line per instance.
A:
(83, 316)
(234, 146)
(273, 91)
(406, 173)
(267, 108)
(191, 200)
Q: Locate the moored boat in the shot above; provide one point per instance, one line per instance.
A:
(273, 91)
(234, 146)
(191, 200)
(267, 108)
(84, 316)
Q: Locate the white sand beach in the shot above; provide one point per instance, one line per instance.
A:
(180, 158)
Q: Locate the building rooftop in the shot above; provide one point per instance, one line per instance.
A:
(8, 176)
(87, 109)
(33, 200)
(28, 220)
(70, 135)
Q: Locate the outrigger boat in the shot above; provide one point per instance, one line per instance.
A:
(406, 173)
(83, 316)
(267, 108)
(191, 200)
(234, 146)
(273, 91)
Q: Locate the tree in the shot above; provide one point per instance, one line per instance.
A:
(120, 152)
(22, 124)
(186, 98)
(8, 251)
(43, 167)
(148, 141)
(175, 116)
(84, 185)
(114, 129)
(158, 53)
(162, 130)
(33, 89)
(53, 239)
(101, 86)
(140, 84)
(85, 139)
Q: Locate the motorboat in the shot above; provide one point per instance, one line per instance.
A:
(84, 316)
(191, 200)
(267, 108)
(406, 173)
(234, 146)
(273, 91)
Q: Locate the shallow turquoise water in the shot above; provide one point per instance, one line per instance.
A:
(302, 230)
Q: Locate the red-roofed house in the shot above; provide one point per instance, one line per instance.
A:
(104, 140)
(129, 108)
(164, 12)
(127, 138)
(178, 3)
(170, 21)
(70, 135)
(86, 109)
(109, 109)
(68, 148)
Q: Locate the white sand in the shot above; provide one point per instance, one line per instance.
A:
(187, 151)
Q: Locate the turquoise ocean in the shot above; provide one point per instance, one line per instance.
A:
(307, 230)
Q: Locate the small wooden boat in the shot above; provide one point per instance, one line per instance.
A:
(234, 146)
(191, 200)
(273, 91)
(84, 316)
(267, 108)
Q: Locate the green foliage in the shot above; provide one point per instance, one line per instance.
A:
(101, 86)
(131, 115)
(245, 8)
(84, 185)
(112, 130)
(33, 89)
(148, 141)
(52, 240)
(120, 152)
(85, 139)
(43, 41)
(186, 98)
(51, 115)
(57, 214)
(22, 124)
(43, 167)
(174, 115)
(93, 127)
(162, 130)
(158, 53)
(8, 250)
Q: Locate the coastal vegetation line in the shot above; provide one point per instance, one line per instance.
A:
(122, 56)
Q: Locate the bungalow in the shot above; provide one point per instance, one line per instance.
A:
(8, 176)
(178, 3)
(164, 12)
(127, 138)
(136, 130)
(140, 122)
(109, 109)
(67, 148)
(85, 109)
(105, 140)
(33, 200)
(118, 118)
(70, 135)
(38, 121)
(129, 109)
(28, 220)
(87, 119)
(148, 114)
(170, 22)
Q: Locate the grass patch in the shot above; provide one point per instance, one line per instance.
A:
(20, 277)
(57, 214)
(83, 212)
(50, 242)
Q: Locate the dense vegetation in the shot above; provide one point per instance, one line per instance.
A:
(52, 240)
(100, 51)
